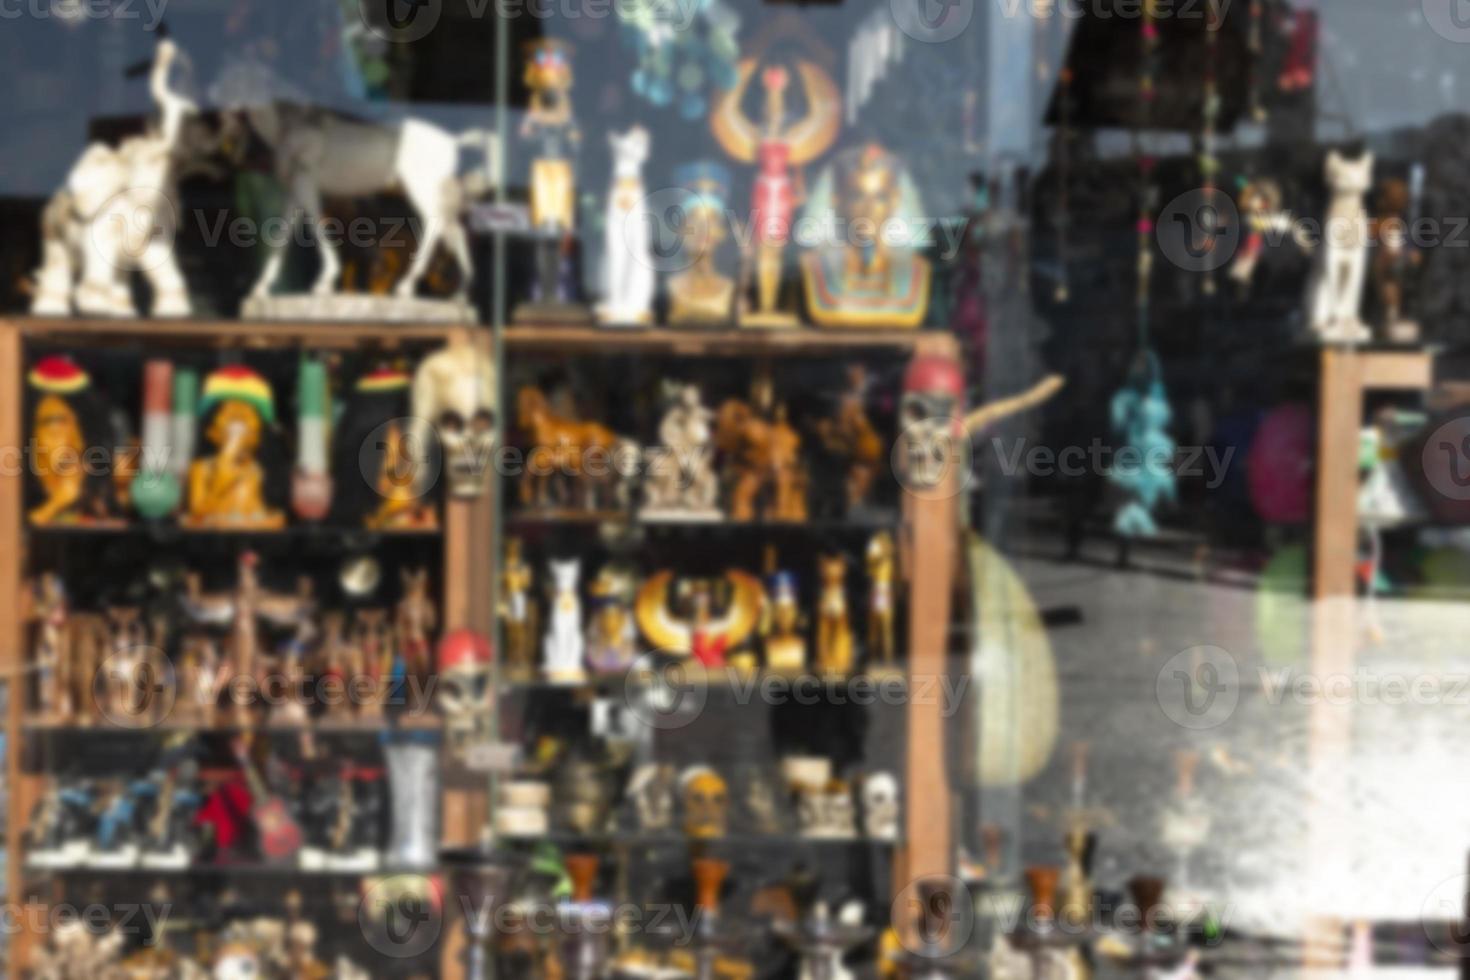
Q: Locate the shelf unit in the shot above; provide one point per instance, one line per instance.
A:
(926, 527)
(464, 575)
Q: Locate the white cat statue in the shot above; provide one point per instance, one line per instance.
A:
(628, 280)
(562, 647)
(1342, 262)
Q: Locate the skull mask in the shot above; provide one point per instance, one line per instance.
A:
(827, 812)
(464, 680)
(880, 806)
(652, 790)
(929, 420)
(454, 391)
(706, 803)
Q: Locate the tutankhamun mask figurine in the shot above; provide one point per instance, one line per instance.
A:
(227, 489)
(869, 272)
(778, 145)
(701, 295)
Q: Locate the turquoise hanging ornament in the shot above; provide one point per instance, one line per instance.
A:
(1143, 466)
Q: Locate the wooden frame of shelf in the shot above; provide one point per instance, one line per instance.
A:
(466, 571)
(1345, 376)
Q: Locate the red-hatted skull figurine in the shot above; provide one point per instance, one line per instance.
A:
(930, 420)
(464, 658)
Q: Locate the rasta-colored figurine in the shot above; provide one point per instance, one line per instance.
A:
(375, 440)
(67, 423)
(228, 489)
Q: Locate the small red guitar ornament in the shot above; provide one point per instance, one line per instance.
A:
(279, 836)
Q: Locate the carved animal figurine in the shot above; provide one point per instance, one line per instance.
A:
(1337, 293)
(779, 145)
(764, 462)
(227, 490)
(563, 448)
(518, 612)
(563, 645)
(414, 620)
(851, 436)
(834, 632)
(880, 599)
(680, 480)
(116, 214)
(320, 154)
(628, 279)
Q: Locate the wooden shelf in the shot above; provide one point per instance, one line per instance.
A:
(559, 338)
(259, 334)
(634, 838)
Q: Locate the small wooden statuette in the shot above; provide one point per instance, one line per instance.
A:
(766, 475)
(373, 644)
(415, 620)
(55, 700)
(227, 489)
(338, 660)
(518, 611)
(834, 630)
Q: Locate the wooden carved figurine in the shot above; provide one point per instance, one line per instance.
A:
(779, 145)
(373, 644)
(562, 448)
(415, 619)
(337, 662)
(123, 694)
(227, 490)
(851, 436)
(54, 688)
(764, 462)
(518, 612)
(834, 631)
(880, 599)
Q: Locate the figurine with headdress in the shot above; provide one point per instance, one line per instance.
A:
(701, 295)
(375, 446)
(551, 130)
(611, 632)
(866, 279)
(229, 488)
(67, 420)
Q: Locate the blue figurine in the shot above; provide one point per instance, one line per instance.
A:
(1143, 466)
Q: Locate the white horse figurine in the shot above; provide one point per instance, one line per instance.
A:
(628, 280)
(320, 154)
(562, 647)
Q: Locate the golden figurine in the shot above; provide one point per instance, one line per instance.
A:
(779, 146)
(227, 490)
(766, 473)
(702, 295)
(834, 631)
(785, 648)
(703, 635)
(61, 441)
(880, 282)
(880, 599)
(518, 613)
